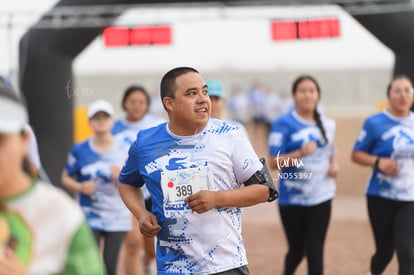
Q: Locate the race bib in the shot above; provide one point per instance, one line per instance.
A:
(179, 184)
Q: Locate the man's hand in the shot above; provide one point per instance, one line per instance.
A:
(202, 201)
(148, 224)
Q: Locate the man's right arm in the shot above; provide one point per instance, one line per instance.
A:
(129, 183)
(133, 199)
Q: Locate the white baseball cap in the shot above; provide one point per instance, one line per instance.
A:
(13, 113)
(100, 106)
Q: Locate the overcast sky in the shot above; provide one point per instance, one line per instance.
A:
(206, 42)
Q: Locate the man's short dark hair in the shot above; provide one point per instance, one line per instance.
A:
(167, 87)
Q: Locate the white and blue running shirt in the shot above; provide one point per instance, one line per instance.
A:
(306, 181)
(387, 136)
(173, 167)
(104, 210)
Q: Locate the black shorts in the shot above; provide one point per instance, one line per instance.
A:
(243, 270)
(148, 204)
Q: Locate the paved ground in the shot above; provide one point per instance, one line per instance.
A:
(349, 243)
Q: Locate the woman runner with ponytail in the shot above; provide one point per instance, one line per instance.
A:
(301, 148)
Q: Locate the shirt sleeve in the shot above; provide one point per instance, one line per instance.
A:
(366, 137)
(130, 171)
(245, 160)
(83, 256)
(278, 137)
(72, 163)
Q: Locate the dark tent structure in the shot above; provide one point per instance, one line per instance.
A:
(47, 52)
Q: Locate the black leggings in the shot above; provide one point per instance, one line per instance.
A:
(392, 223)
(112, 246)
(305, 228)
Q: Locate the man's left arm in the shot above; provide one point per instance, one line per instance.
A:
(257, 189)
(205, 200)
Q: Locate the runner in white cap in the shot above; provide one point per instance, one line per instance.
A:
(91, 171)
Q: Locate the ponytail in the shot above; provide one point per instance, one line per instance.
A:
(319, 124)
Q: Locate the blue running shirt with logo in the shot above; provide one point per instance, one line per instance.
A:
(172, 167)
(306, 181)
(387, 136)
(104, 210)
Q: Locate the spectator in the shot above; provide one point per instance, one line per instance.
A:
(43, 231)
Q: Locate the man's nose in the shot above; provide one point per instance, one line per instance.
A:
(203, 97)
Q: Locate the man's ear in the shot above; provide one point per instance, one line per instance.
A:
(168, 103)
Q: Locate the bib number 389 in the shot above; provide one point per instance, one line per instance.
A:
(179, 184)
(184, 190)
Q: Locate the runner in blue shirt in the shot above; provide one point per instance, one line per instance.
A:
(193, 167)
(91, 171)
(136, 104)
(386, 143)
(301, 148)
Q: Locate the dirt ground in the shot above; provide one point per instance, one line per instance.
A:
(349, 243)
